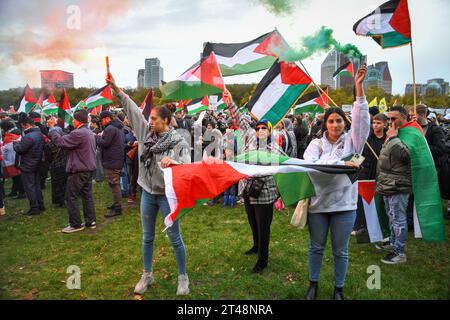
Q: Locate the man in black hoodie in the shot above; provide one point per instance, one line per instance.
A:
(113, 157)
(30, 149)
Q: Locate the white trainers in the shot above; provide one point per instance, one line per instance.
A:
(183, 285)
(143, 284)
(70, 229)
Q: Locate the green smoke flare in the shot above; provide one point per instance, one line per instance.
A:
(277, 7)
(322, 41)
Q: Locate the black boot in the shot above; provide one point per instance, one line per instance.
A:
(311, 294)
(259, 266)
(117, 211)
(253, 250)
(338, 294)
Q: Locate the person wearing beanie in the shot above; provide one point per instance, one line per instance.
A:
(111, 142)
(30, 150)
(80, 145)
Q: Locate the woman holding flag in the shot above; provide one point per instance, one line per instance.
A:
(159, 146)
(335, 210)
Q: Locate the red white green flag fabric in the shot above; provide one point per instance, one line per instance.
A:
(147, 105)
(202, 79)
(427, 198)
(346, 70)
(247, 57)
(38, 105)
(27, 100)
(49, 106)
(190, 185)
(65, 111)
(278, 92)
(389, 25)
(312, 102)
(197, 105)
(216, 103)
(97, 98)
(375, 215)
(11, 110)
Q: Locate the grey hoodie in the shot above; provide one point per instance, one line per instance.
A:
(152, 180)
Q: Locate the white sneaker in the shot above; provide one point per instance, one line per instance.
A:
(70, 229)
(144, 283)
(183, 285)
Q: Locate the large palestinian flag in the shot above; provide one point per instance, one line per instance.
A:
(27, 100)
(197, 105)
(202, 79)
(312, 102)
(248, 57)
(189, 185)
(389, 25)
(50, 107)
(346, 70)
(425, 183)
(278, 92)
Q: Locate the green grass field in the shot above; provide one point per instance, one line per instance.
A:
(35, 255)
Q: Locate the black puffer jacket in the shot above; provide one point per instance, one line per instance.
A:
(394, 169)
(436, 141)
(30, 149)
(111, 143)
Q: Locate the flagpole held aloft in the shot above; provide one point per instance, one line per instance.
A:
(414, 78)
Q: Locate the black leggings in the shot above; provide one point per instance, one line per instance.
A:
(260, 218)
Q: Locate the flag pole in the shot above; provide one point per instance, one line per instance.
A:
(414, 78)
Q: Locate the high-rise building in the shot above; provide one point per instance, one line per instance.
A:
(141, 78)
(153, 74)
(55, 79)
(437, 86)
(332, 62)
(378, 75)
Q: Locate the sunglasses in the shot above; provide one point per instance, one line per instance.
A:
(261, 128)
(392, 119)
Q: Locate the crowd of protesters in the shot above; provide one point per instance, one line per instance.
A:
(129, 151)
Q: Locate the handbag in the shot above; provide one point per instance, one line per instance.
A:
(300, 215)
(256, 186)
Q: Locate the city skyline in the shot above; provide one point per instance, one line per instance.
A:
(174, 31)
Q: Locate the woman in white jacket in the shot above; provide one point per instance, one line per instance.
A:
(335, 209)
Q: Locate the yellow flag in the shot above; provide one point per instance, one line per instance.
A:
(383, 106)
(373, 103)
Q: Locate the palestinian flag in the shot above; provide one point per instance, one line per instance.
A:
(50, 107)
(189, 185)
(197, 105)
(147, 104)
(278, 92)
(96, 111)
(372, 205)
(389, 25)
(38, 106)
(200, 80)
(425, 183)
(312, 102)
(100, 97)
(11, 110)
(65, 111)
(248, 57)
(27, 100)
(345, 70)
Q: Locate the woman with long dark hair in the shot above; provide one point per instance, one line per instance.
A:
(335, 208)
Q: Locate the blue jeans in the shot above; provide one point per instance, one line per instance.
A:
(150, 204)
(396, 206)
(341, 225)
(124, 179)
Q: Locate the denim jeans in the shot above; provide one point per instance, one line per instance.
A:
(150, 204)
(124, 180)
(396, 210)
(341, 225)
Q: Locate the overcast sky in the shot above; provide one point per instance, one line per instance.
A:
(34, 36)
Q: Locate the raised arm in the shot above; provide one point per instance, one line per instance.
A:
(235, 113)
(134, 114)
